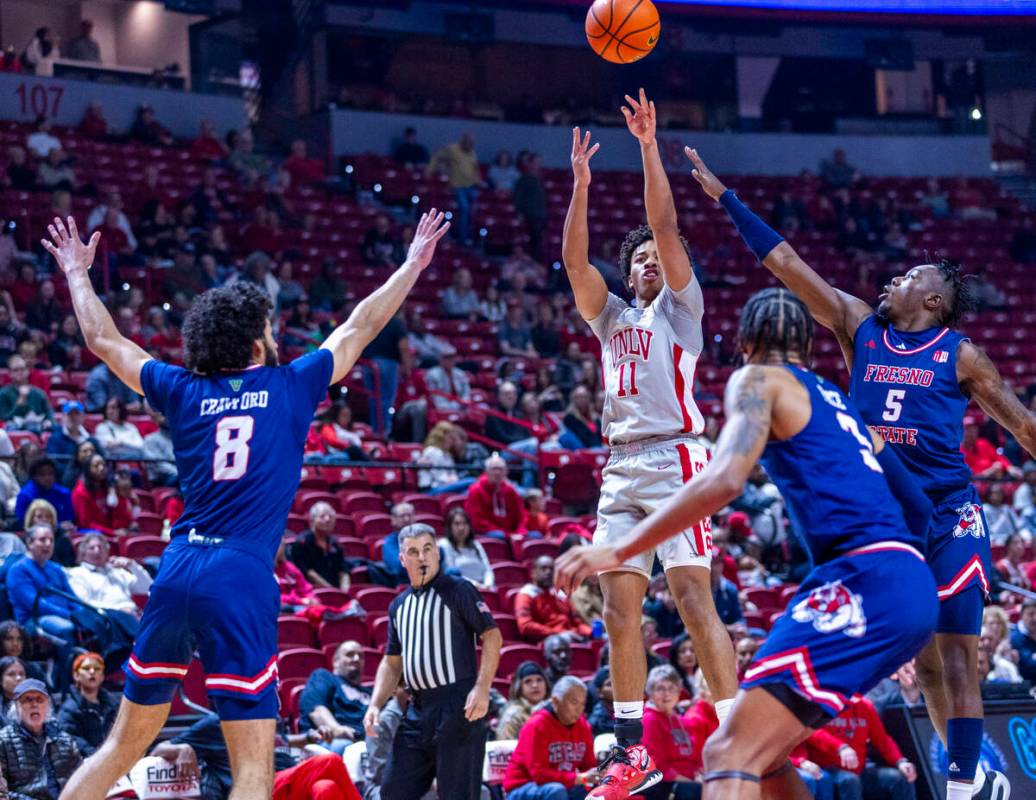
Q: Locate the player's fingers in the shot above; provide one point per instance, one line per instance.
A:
(586, 140)
(95, 240)
(73, 231)
(633, 103)
(576, 138)
(49, 247)
(61, 227)
(626, 113)
(593, 150)
(643, 97)
(651, 107)
(53, 233)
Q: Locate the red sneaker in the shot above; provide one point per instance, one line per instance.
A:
(630, 771)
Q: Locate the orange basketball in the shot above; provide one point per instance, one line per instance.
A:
(622, 31)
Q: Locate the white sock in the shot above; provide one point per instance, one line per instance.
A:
(723, 708)
(629, 709)
(955, 790)
(980, 780)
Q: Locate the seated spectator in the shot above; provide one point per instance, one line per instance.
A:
(493, 503)
(67, 349)
(207, 146)
(661, 607)
(602, 715)
(40, 512)
(1024, 500)
(317, 554)
(762, 502)
(79, 464)
(28, 577)
(337, 435)
(900, 689)
(149, 131)
(461, 552)
(426, 347)
(66, 437)
(683, 659)
(581, 424)
(118, 437)
(94, 125)
(97, 505)
(554, 759)
(502, 173)
(390, 570)
(12, 332)
(528, 689)
(515, 334)
(106, 581)
(304, 170)
(12, 673)
(89, 710)
(98, 216)
(243, 158)
(546, 333)
(36, 757)
(536, 511)
(158, 449)
(444, 444)
(541, 610)
(24, 407)
(328, 292)
(936, 199)
(507, 431)
(1001, 667)
(1001, 520)
(20, 174)
(448, 379)
(1023, 639)
(982, 456)
(838, 173)
(41, 141)
(55, 172)
(336, 702)
(47, 311)
(410, 152)
(40, 486)
(492, 308)
(102, 385)
(1010, 566)
(724, 593)
(380, 246)
(587, 599)
(667, 738)
(460, 301)
(557, 652)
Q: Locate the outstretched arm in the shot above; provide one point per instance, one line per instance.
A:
(981, 380)
(658, 197)
(842, 313)
(123, 357)
(347, 341)
(748, 407)
(587, 283)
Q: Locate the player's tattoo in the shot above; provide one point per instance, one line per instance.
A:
(751, 411)
(981, 381)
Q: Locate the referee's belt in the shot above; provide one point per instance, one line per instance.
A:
(443, 694)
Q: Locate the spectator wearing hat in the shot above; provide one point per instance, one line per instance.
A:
(42, 485)
(542, 610)
(493, 503)
(88, 712)
(66, 437)
(528, 690)
(106, 581)
(36, 757)
(22, 405)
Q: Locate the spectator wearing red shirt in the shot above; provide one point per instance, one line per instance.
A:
(668, 738)
(97, 505)
(93, 125)
(208, 147)
(554, 759)
(542, 610)
(494, 505)
(303, 169)
(857, 726)
(981, 455)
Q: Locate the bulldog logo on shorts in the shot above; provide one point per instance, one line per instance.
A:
(832, 608)
(970, 522)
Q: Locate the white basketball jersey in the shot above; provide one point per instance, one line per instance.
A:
(649, 358)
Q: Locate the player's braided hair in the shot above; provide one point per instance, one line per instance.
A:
(634, 239)
(961, 298)
(776, 321)
(221, 326)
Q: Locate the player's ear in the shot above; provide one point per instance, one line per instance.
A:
(933, 301)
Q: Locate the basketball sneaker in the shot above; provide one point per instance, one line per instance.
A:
(996, 787)
(630, 771)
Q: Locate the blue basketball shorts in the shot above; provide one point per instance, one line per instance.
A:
(853, 622)
(221, 600)
(960, 559)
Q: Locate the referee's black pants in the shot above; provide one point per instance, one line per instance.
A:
(434, 740)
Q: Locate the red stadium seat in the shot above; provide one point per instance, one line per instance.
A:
(376, 599)
(140, 547)
(343, 630)
(358, 502)
(300, 662)
(149, 523)
(423, 503)
(332, 597)
(508, 573)
(508, 627)
(352, 547)
(293, 632)
(496, 549)
(765, 599)
(379, 630)
(534, 548)
(306, 500)
(512, 655)
(370, 526)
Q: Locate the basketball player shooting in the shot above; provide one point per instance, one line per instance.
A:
(238, 422)
(912, 375)
(651, 422)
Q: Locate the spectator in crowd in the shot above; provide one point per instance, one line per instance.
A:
(24, 406)
(97, 217)
(55, 172)
(9, 61)
(20, 174)
(546, 334)
(409, 152)
(459, 162)
(426, 346)
(542, 610)
(40, 53)
(724, 592)
(94, 125)
(1010, 566)
(507, 431)
(528, 689)
(98, 506)
(557, 652)
(1024, 499)
(667, 738)
(380, 245)
(461, 552)
(982, 456)
(304, 170)
(554, 759)
(537, 520)
(67, 348)
(157, 447)
(936, 199)
(445, 444)
(661, 607)
(12, 333)
(147, 130)
(118, 437)
(36, 757)
(106, 581)
(27, 578)
(492, 308)
(390, 571)
(42, 512)
(581, 424)
(602, 715)
(41, 141)
(12, 672)
(684, 661)
(502, 173)
(460, 301)
(337, 435)
(900, 689)
(1023, 639)
(243, 158)
(745, 650)
(530, 201)
(46, 311)
(1001, 520)
(78, 465)
(493, 502)
(317, 554)
(207, 145)
(515, 334)
(387, 352)
(837, 172)
(328, 290)
(1001, 666)
(336, 702)
(83, 47)
(41, 486)
(449, 379)
(88, 712)
(761, 500)
(102, 385)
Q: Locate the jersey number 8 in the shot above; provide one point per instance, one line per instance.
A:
(230, 461)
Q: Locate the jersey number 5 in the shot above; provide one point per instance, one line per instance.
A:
(849, 425)
(893, 405)
(230, 461)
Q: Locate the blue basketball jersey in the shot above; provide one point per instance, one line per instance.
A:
(831, 479)
(905, 384)
(239, 440)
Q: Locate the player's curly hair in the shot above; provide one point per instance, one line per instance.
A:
(776, 321)
(221, 325)
(961, 299)
(634, 239)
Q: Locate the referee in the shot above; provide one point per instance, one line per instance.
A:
(431, 644)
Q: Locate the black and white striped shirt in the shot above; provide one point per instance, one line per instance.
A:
(434, 629)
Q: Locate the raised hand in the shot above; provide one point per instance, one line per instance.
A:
(67, 248)
(712, 185)
(582, 152)
(429, 231)
(582, 562)
(641, 119)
